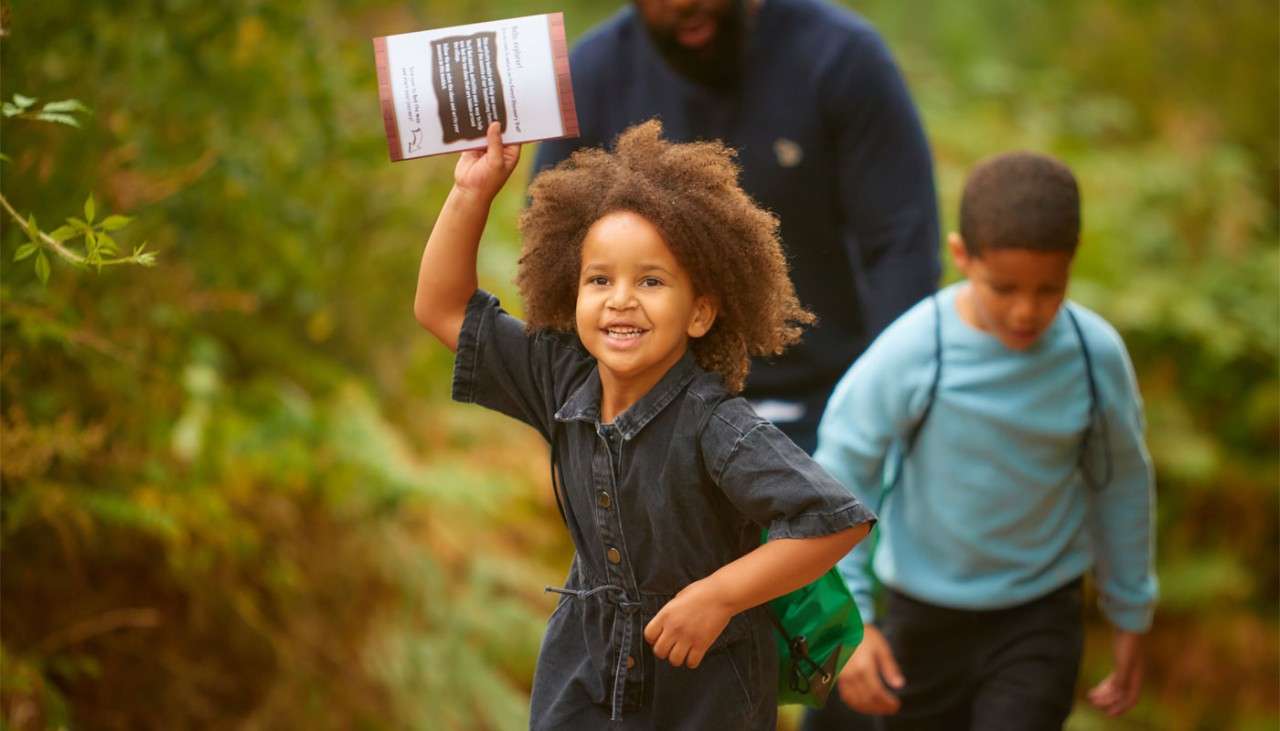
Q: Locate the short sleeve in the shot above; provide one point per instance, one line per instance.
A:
(502, 367)
(776, 485)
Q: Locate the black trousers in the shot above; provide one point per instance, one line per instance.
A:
(997, 670)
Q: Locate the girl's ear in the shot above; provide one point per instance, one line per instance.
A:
(705, 309)
(959, 254)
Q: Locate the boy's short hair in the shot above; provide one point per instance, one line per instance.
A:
(690, 193)
(1020, 200)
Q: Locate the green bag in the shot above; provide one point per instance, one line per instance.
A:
(817, 627)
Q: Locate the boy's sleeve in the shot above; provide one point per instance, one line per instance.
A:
(502, 367)
(872, 408)
(775, 484)
(1121, 515)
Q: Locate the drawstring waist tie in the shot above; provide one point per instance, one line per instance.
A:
(618, 597)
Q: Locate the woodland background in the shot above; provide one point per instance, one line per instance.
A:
(233, 490)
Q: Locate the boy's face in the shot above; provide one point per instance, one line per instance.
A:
(636, 305)
(1013, 294)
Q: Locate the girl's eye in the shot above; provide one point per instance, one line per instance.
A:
(598, 280)
(651, 282)
(1002, 289)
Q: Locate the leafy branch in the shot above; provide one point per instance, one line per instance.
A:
(100, 248)
(59, 112)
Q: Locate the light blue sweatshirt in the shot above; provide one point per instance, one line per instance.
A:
(991, 509)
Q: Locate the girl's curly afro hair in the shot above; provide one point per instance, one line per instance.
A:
(690, 193)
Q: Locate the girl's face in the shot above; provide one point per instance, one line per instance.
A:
(636, 306)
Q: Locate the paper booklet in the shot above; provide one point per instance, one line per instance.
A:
(441, 88)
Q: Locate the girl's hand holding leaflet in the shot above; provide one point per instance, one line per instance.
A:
(684, 629)
(483, 172)
(862, 681)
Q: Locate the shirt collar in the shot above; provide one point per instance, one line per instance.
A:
(584, 403)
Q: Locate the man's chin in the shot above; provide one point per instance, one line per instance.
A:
(714, 60)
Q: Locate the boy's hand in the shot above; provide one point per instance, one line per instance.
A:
(1119, 691)
(684, 629)
(862, 681)
(483, 172)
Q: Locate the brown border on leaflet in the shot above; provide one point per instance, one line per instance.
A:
(564, 83)
(384, 96)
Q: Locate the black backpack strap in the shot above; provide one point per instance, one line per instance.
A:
(557, 485)
(937, 378)
(1097, 426)
(712, 405)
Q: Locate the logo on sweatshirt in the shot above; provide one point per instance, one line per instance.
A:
(789, 153)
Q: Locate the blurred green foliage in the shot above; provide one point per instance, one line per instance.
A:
(235, 493)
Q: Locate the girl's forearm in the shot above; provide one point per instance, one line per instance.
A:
(447, 275)
(781, 566)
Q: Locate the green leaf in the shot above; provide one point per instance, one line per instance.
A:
(10, 110)
(66, 119)
(78, 224)
(62, 233)
(42, 268)
(24, 251)
(91, 244)
(66, 105)
(107, 245)
(4, 158)
(23, 101)
(33, 231)
(88, 208)
(115, 222)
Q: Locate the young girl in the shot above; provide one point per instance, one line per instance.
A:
(649, 279)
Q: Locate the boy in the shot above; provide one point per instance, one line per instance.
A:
(1011, 427)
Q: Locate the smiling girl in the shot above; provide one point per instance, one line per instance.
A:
(649, 280)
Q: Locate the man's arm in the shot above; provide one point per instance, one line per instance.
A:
(553, 152)
(886, 187)
(447, 275)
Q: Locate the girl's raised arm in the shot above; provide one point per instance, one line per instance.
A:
(447, 275)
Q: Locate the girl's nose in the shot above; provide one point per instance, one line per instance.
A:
(621, 298)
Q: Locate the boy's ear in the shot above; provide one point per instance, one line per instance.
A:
(959, 254)
(705, 309)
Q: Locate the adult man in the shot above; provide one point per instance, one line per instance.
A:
(827, 138)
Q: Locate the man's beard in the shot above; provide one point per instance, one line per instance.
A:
(719, 64)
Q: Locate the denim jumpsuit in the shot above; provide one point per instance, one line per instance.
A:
(656, 500)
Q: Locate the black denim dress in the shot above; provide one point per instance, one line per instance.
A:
(652, 506)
